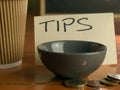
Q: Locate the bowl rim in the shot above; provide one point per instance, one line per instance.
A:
(80, 53)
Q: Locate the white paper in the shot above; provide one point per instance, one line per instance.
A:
(98, 27)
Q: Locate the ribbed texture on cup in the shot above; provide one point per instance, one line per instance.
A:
(12, 30)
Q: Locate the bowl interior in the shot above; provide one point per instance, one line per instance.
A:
(72, 47)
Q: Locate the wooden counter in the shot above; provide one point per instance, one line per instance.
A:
(28, 76)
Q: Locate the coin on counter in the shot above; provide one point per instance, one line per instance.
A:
(97, 88)
(114, 76)
(112, 79)
(73, 83)
(107, 82)
(94, 83)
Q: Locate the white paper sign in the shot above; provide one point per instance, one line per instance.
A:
(90, 27)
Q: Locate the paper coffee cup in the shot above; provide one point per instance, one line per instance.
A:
(13, 15)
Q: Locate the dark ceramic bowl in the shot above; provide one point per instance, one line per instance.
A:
(72, 59)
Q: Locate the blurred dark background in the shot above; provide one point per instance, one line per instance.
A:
(34, 7)
(82, 6)
(75, 6)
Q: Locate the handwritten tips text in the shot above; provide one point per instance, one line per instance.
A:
(66, 23)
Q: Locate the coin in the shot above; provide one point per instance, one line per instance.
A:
(114, 76)
(94, 83)
(112, 79)
(107, 82)
(97, 88)
(74, 83)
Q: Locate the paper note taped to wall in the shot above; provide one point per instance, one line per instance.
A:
(97, 27)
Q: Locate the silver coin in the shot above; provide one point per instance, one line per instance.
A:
(114, 76)
(94, 83)
(112, 79)
(107, 82)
